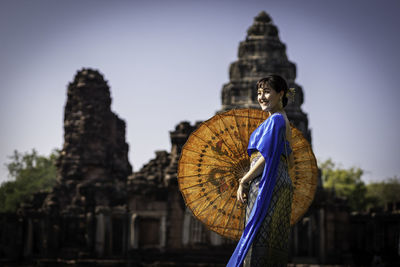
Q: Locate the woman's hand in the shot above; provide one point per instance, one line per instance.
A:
(241, 195)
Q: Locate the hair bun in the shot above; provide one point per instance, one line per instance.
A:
(290, 94)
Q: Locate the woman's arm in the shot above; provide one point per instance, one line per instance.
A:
(253, 172)
(250, 175)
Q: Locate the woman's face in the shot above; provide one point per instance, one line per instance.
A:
(268, 99)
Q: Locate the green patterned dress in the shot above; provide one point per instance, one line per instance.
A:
(271, 243)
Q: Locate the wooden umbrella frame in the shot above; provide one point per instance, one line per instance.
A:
(214, 158)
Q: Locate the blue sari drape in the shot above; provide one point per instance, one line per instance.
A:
(269, 140)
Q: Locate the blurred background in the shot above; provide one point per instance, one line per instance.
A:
(167, 62)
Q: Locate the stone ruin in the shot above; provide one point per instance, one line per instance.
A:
(260, 54)
(162, 171)
(89, 200)
(100, 213)
(93, 164)
(321, 236)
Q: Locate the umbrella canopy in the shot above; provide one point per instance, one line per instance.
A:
(213, 160)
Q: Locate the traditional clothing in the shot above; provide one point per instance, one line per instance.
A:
(265, 236)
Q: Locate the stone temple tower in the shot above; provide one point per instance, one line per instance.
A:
(262, 53)
(93, 164)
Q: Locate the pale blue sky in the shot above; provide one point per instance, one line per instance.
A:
(166, 62)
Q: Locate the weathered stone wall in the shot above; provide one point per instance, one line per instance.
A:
(85, 213)
(93, 165)
(154, 188)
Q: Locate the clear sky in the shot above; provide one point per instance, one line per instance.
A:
(166, 62)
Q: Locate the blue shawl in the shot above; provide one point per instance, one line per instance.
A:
(268, 139)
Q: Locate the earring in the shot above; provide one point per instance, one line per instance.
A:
(280, 103)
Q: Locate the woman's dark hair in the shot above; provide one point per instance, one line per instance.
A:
(277, 83)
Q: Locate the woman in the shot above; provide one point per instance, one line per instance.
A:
(267, 187)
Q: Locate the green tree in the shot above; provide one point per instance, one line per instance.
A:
(346, 183)
(384, 192)
(28, 173)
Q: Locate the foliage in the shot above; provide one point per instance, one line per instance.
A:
(28, 173)
(384, 192)
(346, 183)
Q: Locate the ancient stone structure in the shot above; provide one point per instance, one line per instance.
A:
(96, 216)
(156, 203)
(155, 198)
(262, 53)
(321, 236)
(83, 214)
(93, 165)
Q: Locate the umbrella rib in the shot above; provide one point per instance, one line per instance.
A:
(237, 148)
(203, 183)
(222, 141)
(237, 127)
(247, 124)
(223, 207)
(192, 175)
(228, 228)
(209, 204)
(205, 164)
(203, 196)
(200, 137)
(212, 225)
(230, 216)
(241, 218)
(207, 155)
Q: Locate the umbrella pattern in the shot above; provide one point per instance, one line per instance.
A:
(213, 160)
